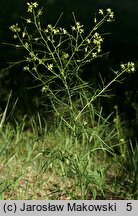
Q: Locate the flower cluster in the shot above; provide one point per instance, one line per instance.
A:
(97, 40)
(93, 45)
(65, 55)
(110, 15)
(78, 27)
(31, 6)
(129, 67)
(107, 13)
(50, 67)
(26, 68)
(52, 29)
(15, 28)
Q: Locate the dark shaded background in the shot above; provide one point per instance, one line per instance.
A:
(122, 43)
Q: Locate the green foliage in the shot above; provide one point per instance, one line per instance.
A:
(73, 158)
(57, 166)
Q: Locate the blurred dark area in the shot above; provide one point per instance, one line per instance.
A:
(121, 43)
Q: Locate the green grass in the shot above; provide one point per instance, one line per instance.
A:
(57, 165)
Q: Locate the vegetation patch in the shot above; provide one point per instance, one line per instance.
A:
(79, 153)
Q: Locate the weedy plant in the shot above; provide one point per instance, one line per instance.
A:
(55, 57)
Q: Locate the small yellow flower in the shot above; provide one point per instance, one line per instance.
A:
(44, 89)
(35, 4)
(31, 6)
(73, 28)
(49, 26)
(131, 66)
(28, 59)
(79, 27)
(40, 12)
(65, 55)
(110, 15)
(109, 10)
(28, 21)
(94, 54)
(122, 66)
(63, 30)
(46, 30)
(128, 67)
(26, 68)
(55, 31)
(15, 36)
(88, 41)
(101, 11)
(15, 28)
(97, 39)
(50, 67)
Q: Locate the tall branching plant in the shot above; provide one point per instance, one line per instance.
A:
(55, 57)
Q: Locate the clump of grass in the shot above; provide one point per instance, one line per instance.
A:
(58, 166)
(3, 115)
